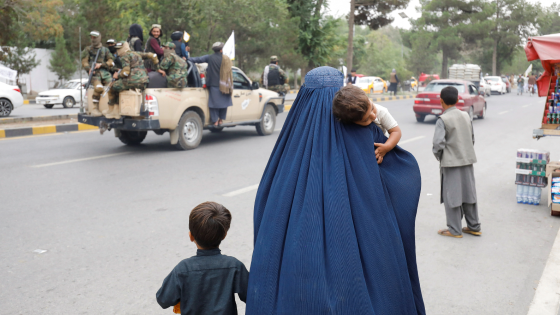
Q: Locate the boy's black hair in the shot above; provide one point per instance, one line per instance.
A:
(209, 223)
(449, 95)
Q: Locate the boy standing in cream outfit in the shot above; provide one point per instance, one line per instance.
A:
(453, 147)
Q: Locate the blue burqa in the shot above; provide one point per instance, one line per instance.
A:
(334, 231)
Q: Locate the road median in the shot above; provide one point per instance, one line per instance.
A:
(44, 129)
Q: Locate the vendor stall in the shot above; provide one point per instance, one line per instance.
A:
(547, 49)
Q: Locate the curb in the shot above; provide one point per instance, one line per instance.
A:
(36, 118)
(27, 102)
(41, 130)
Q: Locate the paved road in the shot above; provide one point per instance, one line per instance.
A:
(33, 110)
(113, 227)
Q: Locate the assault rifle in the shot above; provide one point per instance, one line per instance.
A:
(110, 85)
(92, 69)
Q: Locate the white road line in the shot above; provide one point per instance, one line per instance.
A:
(241, 191)
(411, 139)
(547, 296)
(505, 111)
(525, 105)
(278, 129)
(80, 160)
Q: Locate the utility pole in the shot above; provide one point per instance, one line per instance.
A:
(80, 67)
(350, 53)
(495, 46)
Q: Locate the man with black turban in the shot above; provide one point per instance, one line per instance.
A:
(135, 38)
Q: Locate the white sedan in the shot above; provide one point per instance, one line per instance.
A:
(67, 95)
(10, 99)
(496, 84)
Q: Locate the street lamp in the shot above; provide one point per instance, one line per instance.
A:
(404, 16)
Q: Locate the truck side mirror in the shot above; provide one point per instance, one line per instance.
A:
(255, 86)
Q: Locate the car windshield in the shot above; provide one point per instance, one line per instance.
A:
(438, 86)
(69, 85)
(493, 79)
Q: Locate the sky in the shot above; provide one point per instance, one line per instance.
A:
(342, 7)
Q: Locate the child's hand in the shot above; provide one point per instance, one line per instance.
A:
(380, 152)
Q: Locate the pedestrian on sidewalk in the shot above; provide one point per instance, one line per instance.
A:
(453, 147)
(394, 82)
(520, 82)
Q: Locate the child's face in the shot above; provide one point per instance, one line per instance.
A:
(369, 116)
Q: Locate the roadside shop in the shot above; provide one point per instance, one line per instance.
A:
(540, 171)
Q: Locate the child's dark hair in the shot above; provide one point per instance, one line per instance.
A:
(449, 95)
(350, 104)
(209, 223)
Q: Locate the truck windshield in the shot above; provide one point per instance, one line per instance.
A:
(438, 86)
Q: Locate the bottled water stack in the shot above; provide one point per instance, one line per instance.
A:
(528, 194)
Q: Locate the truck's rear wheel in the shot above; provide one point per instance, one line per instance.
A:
(268, 122)
(132, 137)
(190, 131)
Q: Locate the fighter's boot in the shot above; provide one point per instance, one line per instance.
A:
(115, 113)
(113, 100)
(95, 108)
(108, 110)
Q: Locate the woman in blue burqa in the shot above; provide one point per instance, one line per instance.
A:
(334, 231)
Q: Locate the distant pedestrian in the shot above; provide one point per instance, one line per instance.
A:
(394, 82)
(351, 77)
(520, 84)
(453, 147)
(206, 283)
(532, 82)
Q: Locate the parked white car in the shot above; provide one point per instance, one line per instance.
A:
(10, 99)
(67, 95)
(496, 84)
(485, 87)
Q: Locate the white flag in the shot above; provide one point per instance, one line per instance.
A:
(529, 70)
(229, 47)
(8, 73)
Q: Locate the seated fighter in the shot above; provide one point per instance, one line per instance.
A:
(101, 75)
(132, 76)
(173, 67)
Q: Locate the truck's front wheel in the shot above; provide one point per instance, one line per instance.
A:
(190, 131)
(268, 122)
(132, 137)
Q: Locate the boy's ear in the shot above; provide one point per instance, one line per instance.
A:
(191, 236)
(224, 237)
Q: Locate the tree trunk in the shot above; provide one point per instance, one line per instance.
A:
(444, 61)
(495, 56)
(350, 52)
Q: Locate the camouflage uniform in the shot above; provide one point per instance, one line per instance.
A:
(175, 68)
(132, 76)
(101, 76)
(280, 88)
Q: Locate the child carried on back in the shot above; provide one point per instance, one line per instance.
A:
(351, 105)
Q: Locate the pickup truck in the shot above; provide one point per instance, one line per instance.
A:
(184, 114)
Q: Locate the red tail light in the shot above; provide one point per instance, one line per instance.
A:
(149, 97)
(203, 79)
(17, 90)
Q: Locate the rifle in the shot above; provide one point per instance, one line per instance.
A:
(92, 68)
(110, 85)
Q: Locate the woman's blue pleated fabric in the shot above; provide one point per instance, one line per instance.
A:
(334, 231)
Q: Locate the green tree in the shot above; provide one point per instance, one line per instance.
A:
(423, 55)
(548, 21)
(19, 56)
(373, 13)
(60, 62)
(513, 21)
(450, 21)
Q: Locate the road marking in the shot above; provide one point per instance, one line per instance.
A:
(525, 105)
(547, 296)
(278, 129)
(80, 160)
(505, 111)
(241, 191)
(411, 139)
(46, 135)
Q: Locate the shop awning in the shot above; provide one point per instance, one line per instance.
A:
(547, 49)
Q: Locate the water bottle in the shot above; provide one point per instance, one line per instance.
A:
(538, 192)
(519, 194)
(531, 195)
(524, 194)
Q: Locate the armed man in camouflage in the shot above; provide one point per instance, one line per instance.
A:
(132, 76)
(274, 78)
(101, 74)
(173, 67)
